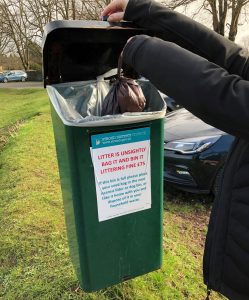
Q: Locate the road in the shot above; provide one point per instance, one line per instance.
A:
(21, 85)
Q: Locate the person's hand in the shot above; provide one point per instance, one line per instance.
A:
(115, 10)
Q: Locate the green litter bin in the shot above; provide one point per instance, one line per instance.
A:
(111, 167)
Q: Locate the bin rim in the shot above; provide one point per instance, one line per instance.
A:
(104, 121)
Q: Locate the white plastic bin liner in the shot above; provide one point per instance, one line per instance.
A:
(79, 103)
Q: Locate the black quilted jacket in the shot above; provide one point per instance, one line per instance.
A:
(208, 75)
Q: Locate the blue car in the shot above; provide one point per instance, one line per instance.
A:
(13, 76)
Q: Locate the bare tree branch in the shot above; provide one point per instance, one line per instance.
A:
(224, 13)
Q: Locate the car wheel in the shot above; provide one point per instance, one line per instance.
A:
(23, 79)
(217, 181)
(5, 80)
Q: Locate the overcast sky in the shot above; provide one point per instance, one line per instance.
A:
(243, 31)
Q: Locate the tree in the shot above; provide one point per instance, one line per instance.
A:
(13, 17)
(23, 22)
(91, 9)
(225, 13)
(220, 11)
(37, 14)
(173, 4)
(4, 40)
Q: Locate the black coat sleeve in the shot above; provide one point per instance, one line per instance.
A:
(172, 26)
(204, 88)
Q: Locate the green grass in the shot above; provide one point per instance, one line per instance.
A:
(34, 257)
(21, 104)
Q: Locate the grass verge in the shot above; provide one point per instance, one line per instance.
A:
(21, 104)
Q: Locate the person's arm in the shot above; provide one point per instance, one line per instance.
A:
(175, 27)
(204, 88)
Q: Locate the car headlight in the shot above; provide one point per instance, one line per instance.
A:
(191, 145)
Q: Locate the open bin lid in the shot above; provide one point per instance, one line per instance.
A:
(82, 50)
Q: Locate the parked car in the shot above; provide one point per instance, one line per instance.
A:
(13, 76)
(194, 152)
(171, 103)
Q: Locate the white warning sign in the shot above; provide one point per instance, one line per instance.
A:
(122, 172)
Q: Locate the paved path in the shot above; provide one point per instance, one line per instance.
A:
(21, 85)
